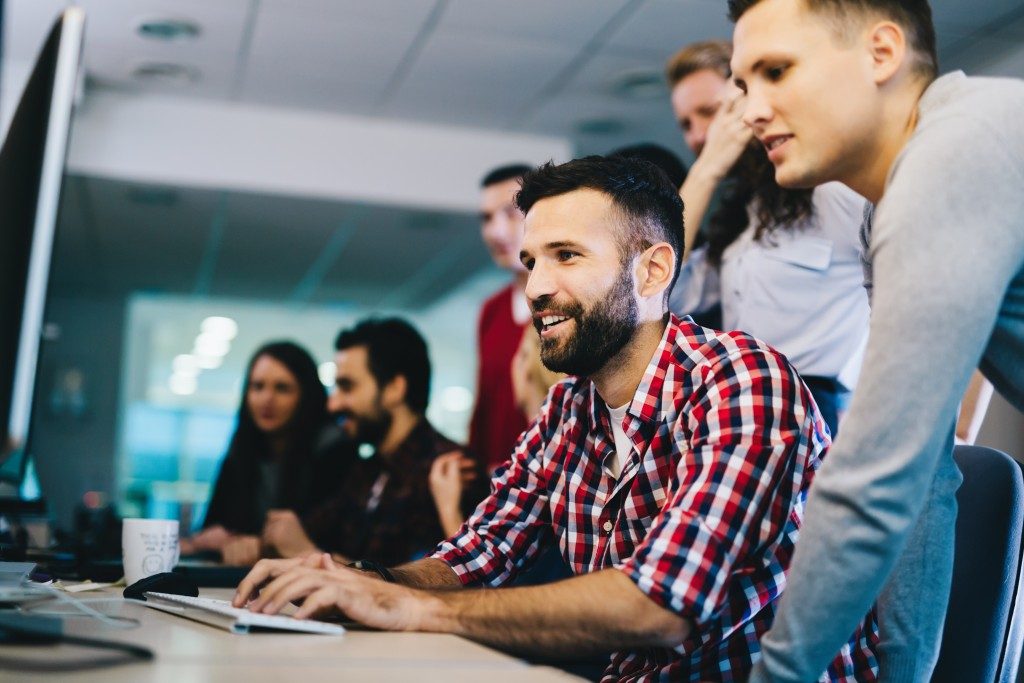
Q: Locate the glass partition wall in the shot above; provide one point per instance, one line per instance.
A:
(159, 295)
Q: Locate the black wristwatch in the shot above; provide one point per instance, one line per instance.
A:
(371, 566)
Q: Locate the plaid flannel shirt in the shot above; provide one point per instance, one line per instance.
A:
(703, 516)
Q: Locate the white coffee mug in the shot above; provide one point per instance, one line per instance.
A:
(149, 546)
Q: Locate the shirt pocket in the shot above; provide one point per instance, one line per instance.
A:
(791, 276)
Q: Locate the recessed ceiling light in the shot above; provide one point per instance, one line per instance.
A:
(168, 29)
(212, 363)
(639, 84)
(600, 126)
(182, 385)
(185, 364)
(168, 73)
(207, 345)
(219, 326)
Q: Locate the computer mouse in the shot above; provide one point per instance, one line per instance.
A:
(167, 582)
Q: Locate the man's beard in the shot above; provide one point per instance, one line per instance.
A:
(600, 333)
(370, 429)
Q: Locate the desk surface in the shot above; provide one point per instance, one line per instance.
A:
(190, 651)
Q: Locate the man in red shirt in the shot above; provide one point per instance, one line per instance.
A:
(496, 421)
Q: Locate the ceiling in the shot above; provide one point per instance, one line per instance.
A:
(531, 65)
(118, 237)
(534, 66)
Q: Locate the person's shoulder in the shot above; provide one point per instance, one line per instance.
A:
(497, 305)
(439, 444)
(837, 194)
(1000, 91)
(708, 354)
(972, 105)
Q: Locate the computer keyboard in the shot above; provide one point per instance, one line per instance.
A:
(235, 619)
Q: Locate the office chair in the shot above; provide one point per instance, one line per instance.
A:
(984, 629)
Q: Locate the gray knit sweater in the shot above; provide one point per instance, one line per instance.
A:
(947, 264)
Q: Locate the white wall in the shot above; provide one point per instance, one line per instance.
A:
(201, 143)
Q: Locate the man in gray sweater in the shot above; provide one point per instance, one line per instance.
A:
(847, 90)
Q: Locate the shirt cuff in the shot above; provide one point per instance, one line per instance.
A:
(455, 559)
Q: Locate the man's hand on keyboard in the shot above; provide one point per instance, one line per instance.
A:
(324, 587)
(267, 570)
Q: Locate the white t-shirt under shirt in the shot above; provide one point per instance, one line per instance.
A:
(622, 443)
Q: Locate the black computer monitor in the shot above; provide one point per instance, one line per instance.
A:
(31, 170)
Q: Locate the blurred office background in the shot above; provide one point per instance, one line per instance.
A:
(246, 170)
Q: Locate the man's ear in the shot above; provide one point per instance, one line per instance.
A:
(655, 269)
(887, 45)
(394, 392)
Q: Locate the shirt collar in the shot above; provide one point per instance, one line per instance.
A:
(648, 401)
(415, 447)
(940, 91)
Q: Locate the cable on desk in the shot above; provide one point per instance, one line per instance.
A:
(85, 610)
(126, 652)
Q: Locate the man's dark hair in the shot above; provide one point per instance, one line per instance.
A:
(638, 188)
(393, 348)
(662, 157)
(503, 173)
(913, 16)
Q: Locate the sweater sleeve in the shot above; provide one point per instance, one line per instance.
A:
(947, 242)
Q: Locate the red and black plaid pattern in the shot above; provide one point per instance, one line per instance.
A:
(703, 517)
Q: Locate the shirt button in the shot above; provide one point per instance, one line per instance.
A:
(607, 527)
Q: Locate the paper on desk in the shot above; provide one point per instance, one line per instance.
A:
(87, 586)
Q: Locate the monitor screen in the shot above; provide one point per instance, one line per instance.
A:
(31, 170)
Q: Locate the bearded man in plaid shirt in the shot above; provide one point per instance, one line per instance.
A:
(671, 470)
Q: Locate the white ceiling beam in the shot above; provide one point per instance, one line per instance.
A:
(207, 144)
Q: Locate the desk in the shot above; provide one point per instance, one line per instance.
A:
(191, 651)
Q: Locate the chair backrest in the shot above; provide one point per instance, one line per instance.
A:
(984, 629)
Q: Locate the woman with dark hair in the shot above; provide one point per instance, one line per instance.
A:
(271, 461)
(790, 274)
(786, 262)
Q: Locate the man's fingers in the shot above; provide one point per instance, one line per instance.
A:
(301, 584)
(326, 561)
(253, 580)
(263, 571)
(280, 584)
(318, 601)
(315, 560)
